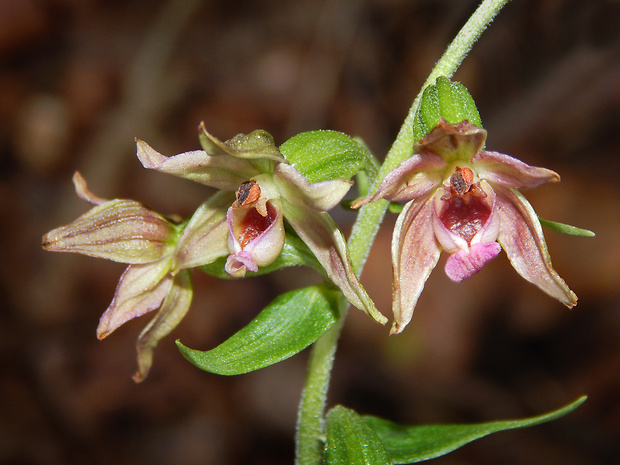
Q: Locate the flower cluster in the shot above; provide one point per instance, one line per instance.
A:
(463, 200)
(460, 199)
(243, 221)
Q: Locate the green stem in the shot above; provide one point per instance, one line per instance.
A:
(310, 425)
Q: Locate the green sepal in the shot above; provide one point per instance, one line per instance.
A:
(289, 324)
(445, 99)
(566, 228)
(294, 253)
(351, 441)
(257, 145)
(410, 444)
(323, 155)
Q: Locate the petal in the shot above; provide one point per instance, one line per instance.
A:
(295, 188)
(124, 231)
(453, 142)
(503, 169)
(222, 172)
(254, 240)
(170, 314)
(324, 239)
(465, 221)
(205, 238)
(414, 255)
(238, 264)
(522, 238)
(142, 288)
(81, 188)
(267, 246)
(412, 179)
(464, 264)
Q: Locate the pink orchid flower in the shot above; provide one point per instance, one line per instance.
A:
(465, 201)
(268, 190)
(159, 254)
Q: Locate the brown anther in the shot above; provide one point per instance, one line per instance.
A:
(247, 193)
(461, 181)
(461, 184)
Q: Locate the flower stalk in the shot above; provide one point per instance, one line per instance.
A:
(310, 426)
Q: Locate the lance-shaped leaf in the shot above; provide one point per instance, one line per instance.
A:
(285, 327)
(351, 441)
(566, 228)
(412, 444)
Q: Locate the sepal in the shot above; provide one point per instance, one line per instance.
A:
(172, 311)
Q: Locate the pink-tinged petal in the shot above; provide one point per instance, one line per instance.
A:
(322, 236)
(414, 255)
(124, 231)
(464, 264)
(413, 178)
(254, 240)
(172, 311)
(522, 238)
(141, 289)
(453, 142)
(222, 172)
(503, 169)
(81, 188)
(295, 188)
(205, 237)
(238, 264)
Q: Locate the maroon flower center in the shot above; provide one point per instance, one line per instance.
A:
(254, 224)
(465, 216)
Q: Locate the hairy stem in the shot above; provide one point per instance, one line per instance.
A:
(310, 425)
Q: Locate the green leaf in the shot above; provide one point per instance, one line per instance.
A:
(285, 327)
(294, 253)
(351, 441)
(409, 444)
(322, 155)
(566, 228)
(448, 100)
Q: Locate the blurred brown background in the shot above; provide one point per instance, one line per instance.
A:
(79, 79)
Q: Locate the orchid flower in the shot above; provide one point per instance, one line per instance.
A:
(159, 254)
(465, 201)
(268, 190)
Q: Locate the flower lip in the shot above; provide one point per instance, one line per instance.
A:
(460, 222)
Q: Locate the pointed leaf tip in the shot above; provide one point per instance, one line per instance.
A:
(411, 444)
(285, 327)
